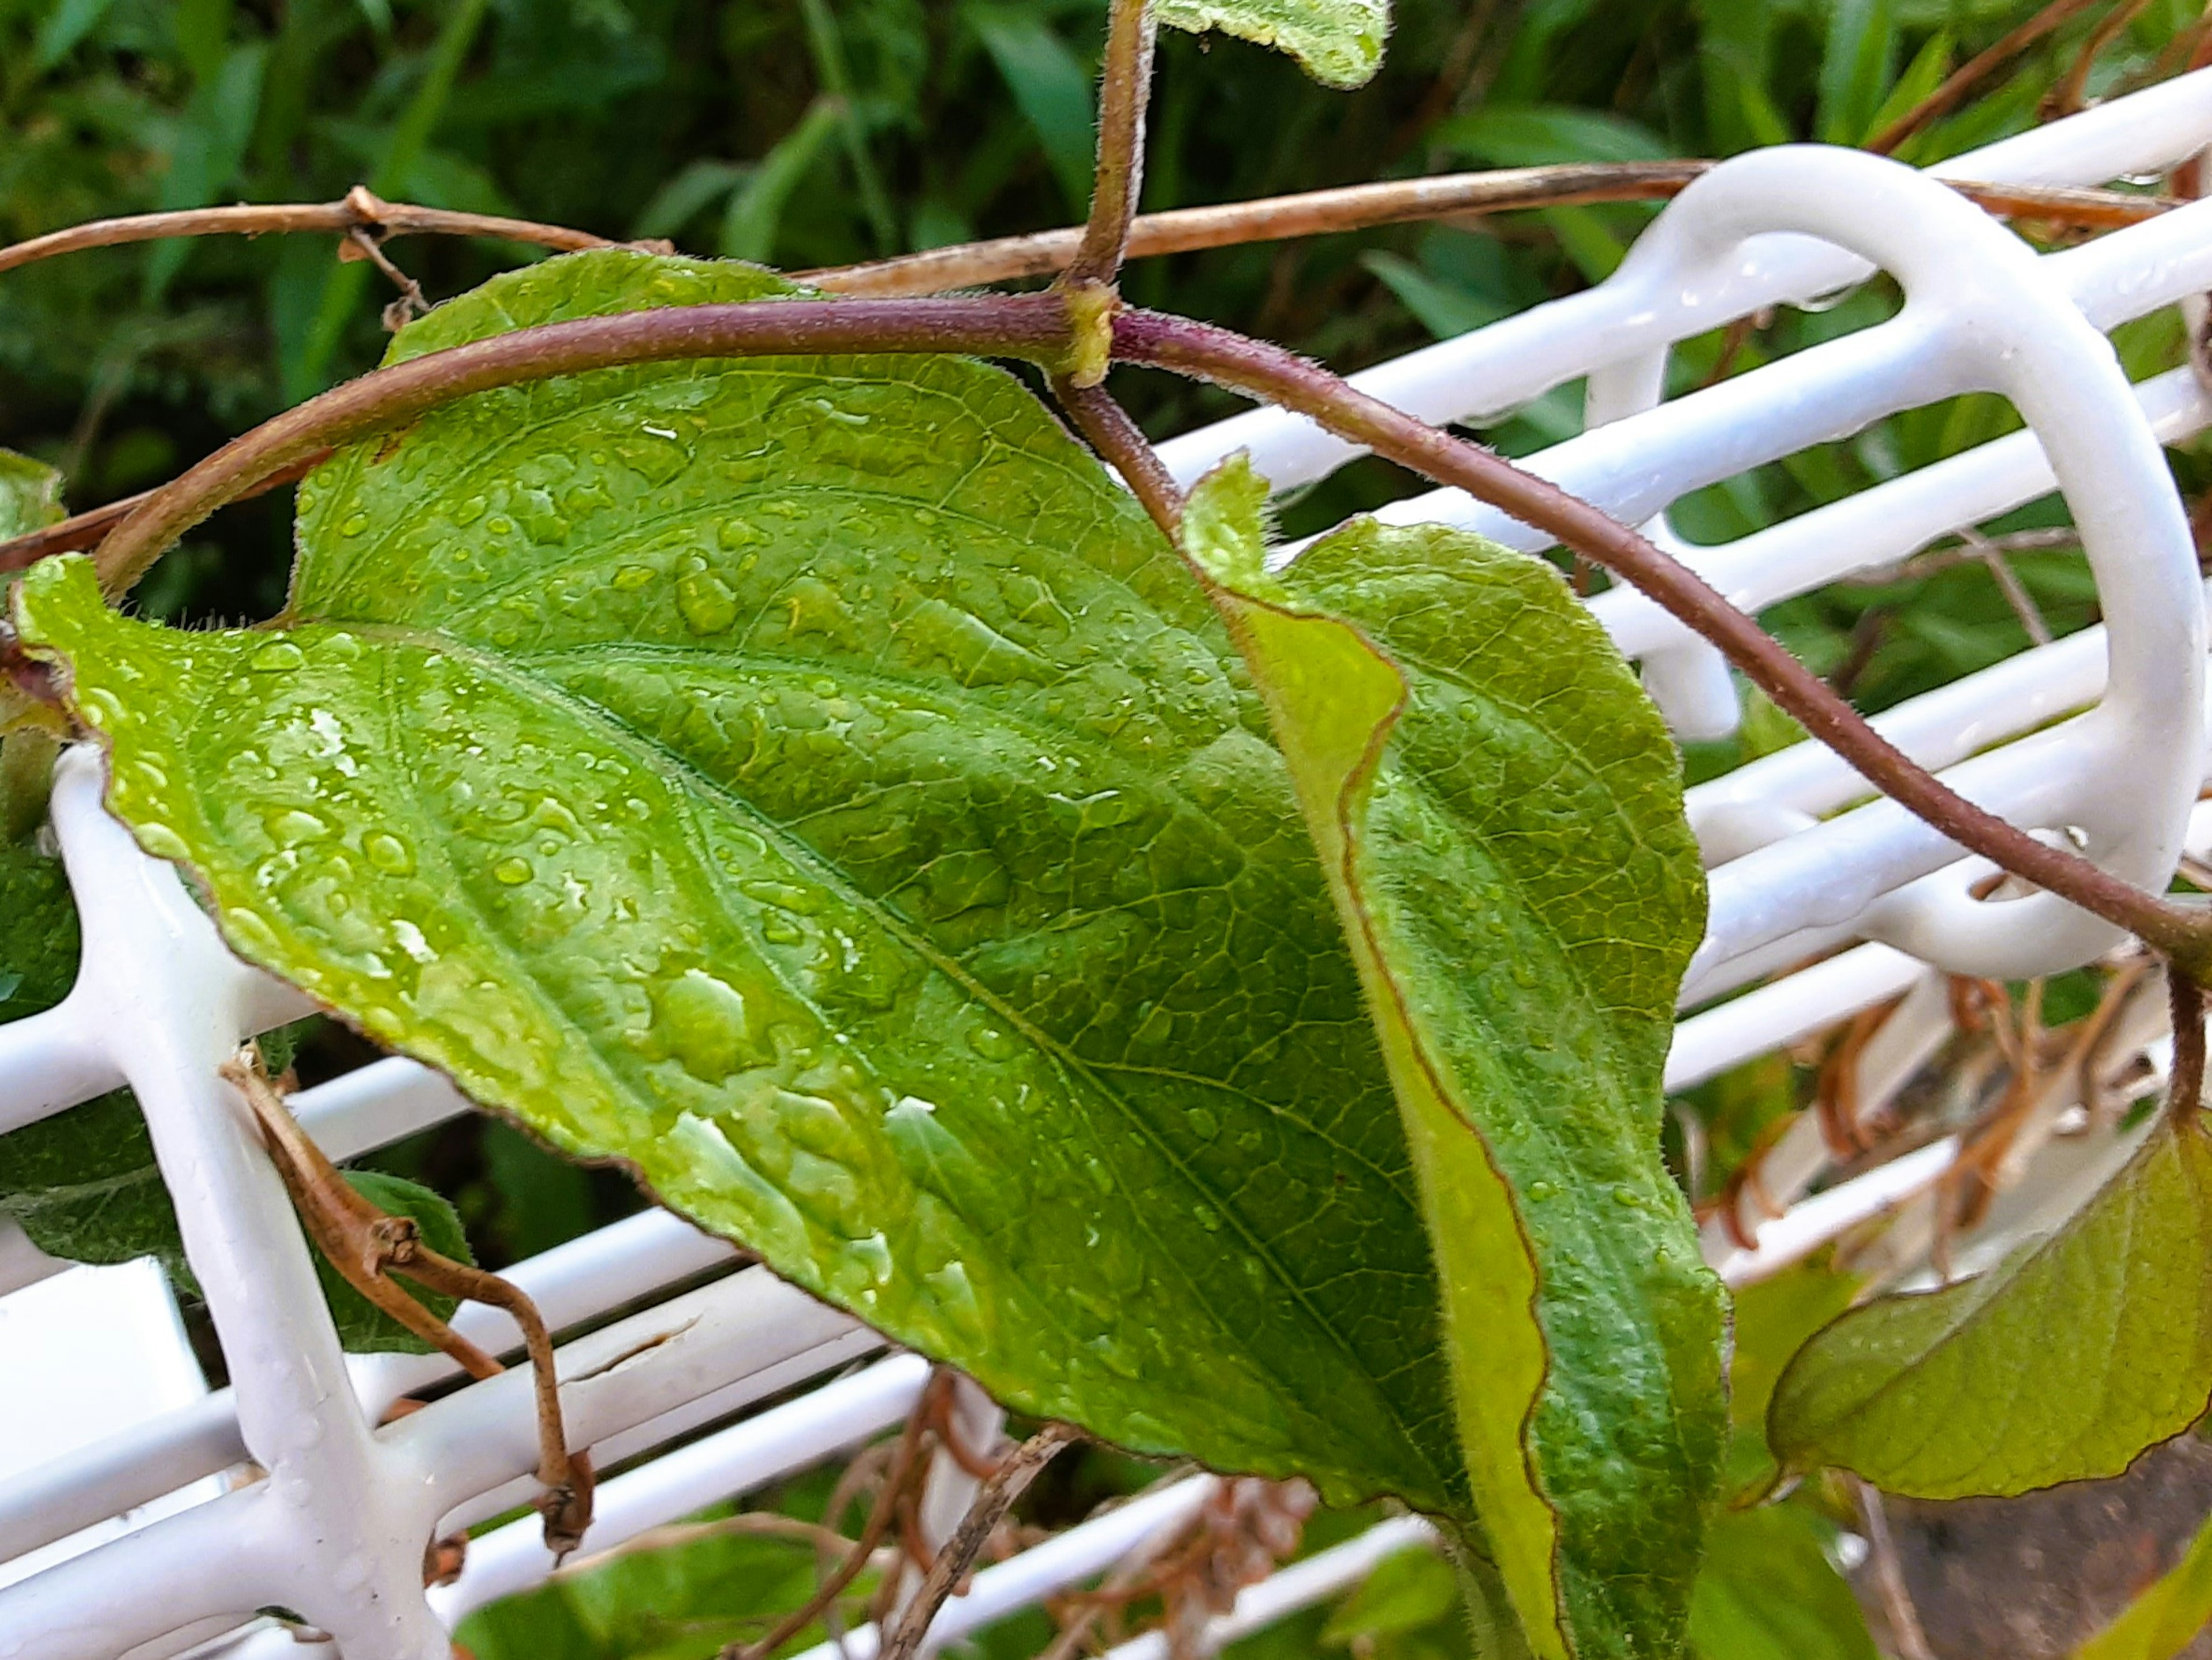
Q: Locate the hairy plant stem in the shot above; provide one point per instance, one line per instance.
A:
(2185, 1094)
(1038, 327)
(88, 529)
(1451, 196)
(1276, 376)
(1125, 86)
(1107, 426)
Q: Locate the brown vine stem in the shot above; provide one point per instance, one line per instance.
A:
(2185, 1094)
(1038, 327)
(1124, 89)
(367, 1246)
(1015, 1472)
(358, 211)
(1971, 73)
(2068, 97)
(1276, 376)
(1034, 326)
(1103, 421)
(1401, 201)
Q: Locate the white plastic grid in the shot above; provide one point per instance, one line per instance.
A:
(335, 1523)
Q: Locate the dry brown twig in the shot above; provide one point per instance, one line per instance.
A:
(1006, 1484)
(367, 1246)
(1451, 196)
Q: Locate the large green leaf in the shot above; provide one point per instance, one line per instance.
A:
(1338, 42)
(1499, 810)
(817, 784)
(2064, 1361)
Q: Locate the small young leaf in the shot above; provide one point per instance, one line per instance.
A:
(1499, 810)
(30, 495)
(1338, 42)
(815, 783)
(2062, 1362)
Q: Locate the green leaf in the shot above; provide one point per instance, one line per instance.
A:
(1769, 1592)
(2168, 1617)
(1774, 1319)
(1538, 135)
(684, 1601)
(2064, 1361)
(30, 495)
(1499, 812)
(1051, 87)
(817, 784)
(1411, 1590)
(1338, 42)
(755, 209)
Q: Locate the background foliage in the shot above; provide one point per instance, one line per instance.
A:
(809, 132)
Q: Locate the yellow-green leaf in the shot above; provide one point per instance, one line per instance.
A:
(1498, 812)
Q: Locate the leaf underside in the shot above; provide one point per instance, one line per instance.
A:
(2062, 1362)
(1338, 42)
(1499, 812)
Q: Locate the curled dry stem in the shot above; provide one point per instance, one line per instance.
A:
(367, 1246)
(1006, 1484)
(905, 1460)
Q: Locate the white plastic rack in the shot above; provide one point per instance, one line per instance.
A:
(141, 1514)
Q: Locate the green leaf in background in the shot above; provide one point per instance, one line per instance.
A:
(1769, 1592)
(2063, 1361)
(707, 1588)
(1856, 68)
(1338, 42)
(1538, 135)
(1407, 1609)
(815, 783)
(2168, 1617)
(1498, 809)
(212, 139)
(755, 209)
(1774, 1319)
(1051, 87)
(30, 495)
